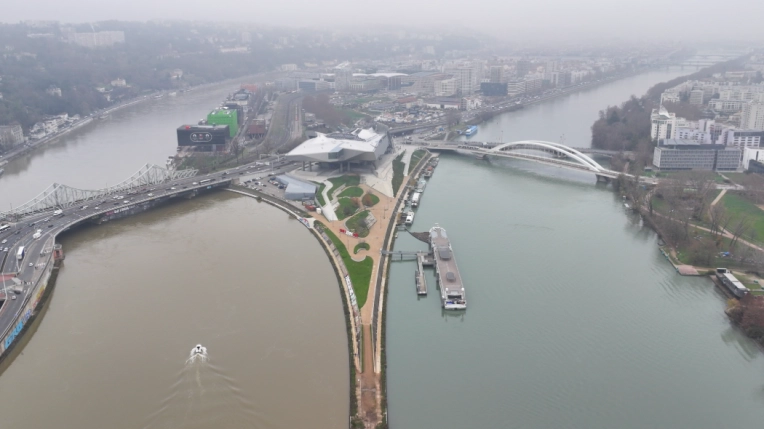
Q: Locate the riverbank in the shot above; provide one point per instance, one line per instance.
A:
(483, 117)
(30, 147)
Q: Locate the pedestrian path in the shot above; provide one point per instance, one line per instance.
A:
(328, 209)
(718, 197)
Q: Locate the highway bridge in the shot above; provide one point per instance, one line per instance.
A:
(36, 224)
(489, 145)
(549, 153)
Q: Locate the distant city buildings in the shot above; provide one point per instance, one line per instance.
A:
(11, 135)
(53, 91)
(497, 74)
(97, 39)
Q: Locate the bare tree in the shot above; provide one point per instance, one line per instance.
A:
(453, 117)
(719, 218)
(700, 183)
(741, 228)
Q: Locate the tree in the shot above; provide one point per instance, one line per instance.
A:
(739, 229)
(453, 117)
(718, 217)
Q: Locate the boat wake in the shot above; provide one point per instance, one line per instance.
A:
(203, 396)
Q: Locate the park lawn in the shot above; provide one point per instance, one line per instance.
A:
(353, 191)
(345, 204)
(354, 224)
(352, 116)
(739, 207)
(397, 173)
(360, 246)
(320, 193)
(415, 157)
(337, 182)
(371, 199)
(359, 272)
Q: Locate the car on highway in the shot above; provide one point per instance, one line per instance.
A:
(173, 188)
(31, 264)
(4, 241)
(96, 208)
(150, 195)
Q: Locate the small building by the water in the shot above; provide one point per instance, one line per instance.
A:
(297, 189)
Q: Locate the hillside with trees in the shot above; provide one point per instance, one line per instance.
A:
(627, 127)
(38, 56)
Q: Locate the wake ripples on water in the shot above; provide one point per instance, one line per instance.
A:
(203, 397)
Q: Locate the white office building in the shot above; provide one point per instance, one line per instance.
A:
(752, 116)
(663, 124)
(445, 87)
(466, 78)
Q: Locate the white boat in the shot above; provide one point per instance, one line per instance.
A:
(409, 218)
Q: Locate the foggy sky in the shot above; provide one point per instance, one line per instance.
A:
(542, 20)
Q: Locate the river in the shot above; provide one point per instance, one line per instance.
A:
(134, 296)
(575, 319)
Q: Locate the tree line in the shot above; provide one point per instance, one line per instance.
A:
(627, 127)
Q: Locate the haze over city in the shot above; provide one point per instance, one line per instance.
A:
(375, 215)
(557, 21)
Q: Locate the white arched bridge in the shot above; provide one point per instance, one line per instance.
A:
(543, 152)
(59, 196)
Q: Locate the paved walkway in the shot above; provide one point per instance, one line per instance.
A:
(718, 197)
(328, 209)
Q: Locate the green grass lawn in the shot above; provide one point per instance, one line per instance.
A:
(739, 207)
(415, 157)
(359, 272)
(370, 200)
(345, 207)
(343, 180)
(359, 246)
(353, 191)
(320, 193)
(352, 116)
(354, 224)
(397, 173)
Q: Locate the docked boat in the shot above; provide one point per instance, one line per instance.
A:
(409, 218)
(428, 172)
(420, 185)
(471, 131)
(452, 293)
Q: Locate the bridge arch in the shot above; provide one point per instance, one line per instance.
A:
(543, 146)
